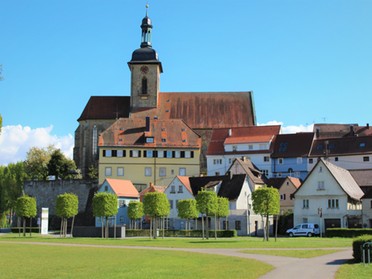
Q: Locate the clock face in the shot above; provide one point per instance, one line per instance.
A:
(144, 69)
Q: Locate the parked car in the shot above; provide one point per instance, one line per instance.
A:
(305, 229)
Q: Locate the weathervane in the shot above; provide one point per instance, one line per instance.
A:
(147, 7)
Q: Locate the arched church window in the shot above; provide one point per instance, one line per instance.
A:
(144, 85)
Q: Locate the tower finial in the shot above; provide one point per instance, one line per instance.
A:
(147, 7)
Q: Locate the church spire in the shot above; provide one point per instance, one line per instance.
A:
(146, 27)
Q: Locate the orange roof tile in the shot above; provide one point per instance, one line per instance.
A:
(185, 181)
(123, 188)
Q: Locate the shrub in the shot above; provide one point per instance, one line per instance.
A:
(342, 232)
(357, 247)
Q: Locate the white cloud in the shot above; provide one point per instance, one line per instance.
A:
(16, 141)
(290, 129)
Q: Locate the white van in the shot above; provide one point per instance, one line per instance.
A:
(305, 229)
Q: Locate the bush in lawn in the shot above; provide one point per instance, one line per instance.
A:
(357, 247)
(344, 232)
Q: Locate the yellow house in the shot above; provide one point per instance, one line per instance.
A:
(146, 151)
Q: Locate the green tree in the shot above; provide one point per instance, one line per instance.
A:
(135, 212)
(60, 166)
(93, 172)
(206, 203)
(156, 205)
(266, 202)
(37, 160)
(26, 208)
(105, 205)
(222, 210)
(12, 178)
(67, 206)
(187, 210)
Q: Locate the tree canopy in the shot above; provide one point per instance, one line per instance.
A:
(187, 210)
(60, 166)
(37, 160)
(135, 211)
(266, 202)
(105, 204)
(156, 204)
(67, 206)
(206, 203)
(26, 208)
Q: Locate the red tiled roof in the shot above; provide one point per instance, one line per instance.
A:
(248, 134)
(292, 145)
(202, 110)
(152, 188)
(165, 133)
(123, 188)
(106, 107)
(342, 146)
(341, 130)
(186, 182)
(295, 181)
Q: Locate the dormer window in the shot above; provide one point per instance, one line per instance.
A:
(150, 140)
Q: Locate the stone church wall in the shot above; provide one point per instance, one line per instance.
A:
(46, 192)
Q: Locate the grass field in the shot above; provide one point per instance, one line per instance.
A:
(42, 261)
(19, 260)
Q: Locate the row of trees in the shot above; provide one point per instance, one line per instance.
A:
(39, 164)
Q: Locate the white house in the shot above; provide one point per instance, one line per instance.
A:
(126, 192)
(330, 197)
(178, 189)
(253, 142)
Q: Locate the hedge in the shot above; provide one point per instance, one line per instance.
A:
(357, 247)
(344, 232)
(181, 233)
(33, 229)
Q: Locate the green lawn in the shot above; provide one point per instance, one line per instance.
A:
(237, 242)
(354, 271)
(41, 261)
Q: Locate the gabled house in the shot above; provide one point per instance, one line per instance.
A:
(286, 190)
(290, 155)
(367, 210)
(126, 192)
(253, 142)
(330, 197)
(349, 152)
(178, 189)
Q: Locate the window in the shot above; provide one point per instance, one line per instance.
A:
(283, 197)
(120, 153)
(182, 171)
(107, 153)
(177, 154)
(362, 144)
(180, 189)
(169, 154)
(162, 172)
(280, 161)
(238, 225)
(366, 159)
(283, 147)
(266, 159)
(108, 171)
(225, 225)
(171, 204)
(250, 146)
(148, 171)
(320, 169)
(95, 140)
(161, 154)
(333, 203)
(320, 185)
(336, 159)
(150, 140)
(299, 160)
(265, 172)
(217, 173)
(144, 86)
(135, 153)
(311, 161)
(173, 189)
(149, 154)
(305, 203)
(106, 188)
(122, 203)
(120, 171)
(217, 161)
(234, 148)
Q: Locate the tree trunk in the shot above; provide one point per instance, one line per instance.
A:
(102, 228)
(30, 226)
(267, 227)
(215, 227)
(61, 229)
(72, 225)
(24, 226)
(203, 226)
(151, 227)
(206, 227)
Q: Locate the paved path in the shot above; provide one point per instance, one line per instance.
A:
(323, 267)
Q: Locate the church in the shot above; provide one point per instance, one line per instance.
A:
(200, 111)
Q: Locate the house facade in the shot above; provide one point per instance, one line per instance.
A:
(148, 151)
(290, 155)
(329, 197)
(253, 142)
(286, 190)
(125, 192)
(178, 189)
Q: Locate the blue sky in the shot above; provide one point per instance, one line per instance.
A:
(307, 61)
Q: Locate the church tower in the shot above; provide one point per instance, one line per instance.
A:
(145, 70)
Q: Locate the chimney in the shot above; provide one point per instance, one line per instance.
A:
(367, 125)
(317, 133)
(230, 132)
(147, 124)
(352, 130)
